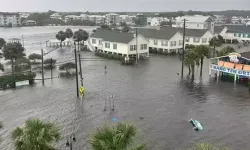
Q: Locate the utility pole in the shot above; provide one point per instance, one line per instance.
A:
(183, 47)
(80, 65)
(136, 45)
(214, 45)
(42, 67)
(77, 87)
(51, 68)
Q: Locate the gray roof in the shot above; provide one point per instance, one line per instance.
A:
(113, 36)
(245, 54)
(238, 28)
(157, 34)
(218, 29)
(188, 32)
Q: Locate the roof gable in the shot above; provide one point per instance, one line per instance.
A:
(158, 34)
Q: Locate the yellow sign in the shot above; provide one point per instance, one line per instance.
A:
(81, 90)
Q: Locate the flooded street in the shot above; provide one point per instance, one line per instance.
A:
(152, 90)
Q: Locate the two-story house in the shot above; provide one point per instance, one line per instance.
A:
(125, 44)
(163, 40)
(196, 22)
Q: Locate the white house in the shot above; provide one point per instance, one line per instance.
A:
(241, 33)
(29, 23)
(56, 16)
(98, 19)
(84, 17)
(125, 44)
(235, 20)
(10, 19)
(196, 22)
(112, 18)
(197, 36)
(156, 21)
(169, 40)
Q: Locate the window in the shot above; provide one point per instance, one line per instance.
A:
(100, 42)
(114, 46)
(173, 43)
(187, 39)
(141, 47)
(155, 42)
(162, 43)
(93, 41)
(107, 45)
(197, 25)
(180, 42)
(246, 35)
(196, 40)
(132, 47)
(204, 40)
(145, 46)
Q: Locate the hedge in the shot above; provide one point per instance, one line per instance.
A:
(9, 80)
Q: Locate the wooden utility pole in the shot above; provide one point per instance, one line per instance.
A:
(183, 47)
(42, 67)
(80, 65)
(77, 86)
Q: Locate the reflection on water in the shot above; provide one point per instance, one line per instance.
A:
(151, 90)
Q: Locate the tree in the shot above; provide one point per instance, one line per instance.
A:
(35, 135)
(13, 51)
(190, 60)
(105, 27)
(35, 56)
(22, 63)
(215, 41)
(2, 67)
(116, 137)
(202, 51)
(67, 66)
(225, 51)
(80, 35)
(61, 36)
(69, 33)
(2, 42)
(126, 29)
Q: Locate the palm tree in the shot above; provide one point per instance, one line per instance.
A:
(202, 51)
(69, 33)
(1, 67)
(80, 35)
(116, 137)
(61, 36)
(225, 51)
(190, 60)
(35, 135)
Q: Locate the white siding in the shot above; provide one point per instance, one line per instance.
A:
(121, 47)
(177, 37)
(140, 40)
(208, 35)
(97, 44)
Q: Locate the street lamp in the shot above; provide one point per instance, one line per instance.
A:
(69, 142)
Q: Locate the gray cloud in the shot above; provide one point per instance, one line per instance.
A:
(121, 5)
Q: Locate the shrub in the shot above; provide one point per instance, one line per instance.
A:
(105, 55)
(110, 56)
(165, 52)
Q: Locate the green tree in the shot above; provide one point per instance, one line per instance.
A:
(215, 42)
(126, 29)
(80, 35)
(35, 135)
(225, 51)
(2, 42)
(117, 137)
(202, 51)
(61, 36)
(105, 27)
(22, 64)
(69, 33)
(191, 58)
(35, 56)
(2, 67)
(67, 66)
(13, 51)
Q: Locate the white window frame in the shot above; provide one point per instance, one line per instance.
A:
(131, 47)
(100, 42)
(166, 43)
(155, 42)
(135, 48)
(180, 42)
(145, 46)
(173, 43)
(107, 45)
(141, 47)
(204, 40)
(196, 40)
(198, 25)
(93, 41)
(115, 46)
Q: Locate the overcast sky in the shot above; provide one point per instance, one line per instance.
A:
(121, 5)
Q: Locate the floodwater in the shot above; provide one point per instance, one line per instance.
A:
(151, 90)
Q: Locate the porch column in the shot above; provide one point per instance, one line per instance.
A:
(235, 78)
(218, 75)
